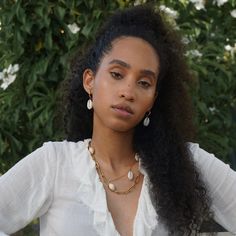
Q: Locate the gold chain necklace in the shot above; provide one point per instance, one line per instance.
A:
(106, 182)
(130, 174)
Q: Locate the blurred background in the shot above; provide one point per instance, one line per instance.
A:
(38, 39)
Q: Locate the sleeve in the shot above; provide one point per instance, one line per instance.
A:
(26, 190)
(221, 182)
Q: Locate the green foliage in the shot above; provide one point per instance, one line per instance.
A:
(209, 30)
(35, 35)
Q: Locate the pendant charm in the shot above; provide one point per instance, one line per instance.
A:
(89, 104)
(111, 187)
(130, 175)
(146, 121)
(91, 150)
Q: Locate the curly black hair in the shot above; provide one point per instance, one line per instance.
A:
(178, 193)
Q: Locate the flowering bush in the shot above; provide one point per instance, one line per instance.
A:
(209, 31)
(37, 39)
(8, 76)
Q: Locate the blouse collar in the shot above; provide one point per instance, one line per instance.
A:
(92, 194)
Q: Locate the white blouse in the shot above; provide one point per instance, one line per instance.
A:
(59, 183)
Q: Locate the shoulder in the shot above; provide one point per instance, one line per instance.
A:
(207, 163)
(198, 154)
(204, 158)
(64, 150)
(51, 156)
(212, 169)
(65, 146)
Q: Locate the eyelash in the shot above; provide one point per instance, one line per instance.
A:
(144, 84)
(117, 76)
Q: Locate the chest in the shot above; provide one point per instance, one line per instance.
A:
(86, 208)
(123, 208)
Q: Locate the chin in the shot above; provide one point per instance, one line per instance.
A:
(123, 128)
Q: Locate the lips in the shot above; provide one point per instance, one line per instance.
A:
(124, 108)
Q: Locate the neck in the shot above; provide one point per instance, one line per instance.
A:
(113, 149)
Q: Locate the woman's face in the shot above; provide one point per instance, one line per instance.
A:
(124, 87)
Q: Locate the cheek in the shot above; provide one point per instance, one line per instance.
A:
(101, 82)
(148, 100)
(101, 95)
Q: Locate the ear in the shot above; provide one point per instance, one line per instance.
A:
(88, 81)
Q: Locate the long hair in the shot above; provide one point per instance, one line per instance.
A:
(177, 191)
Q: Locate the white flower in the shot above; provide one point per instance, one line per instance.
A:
(220, 2)
(139, 2)
(194, 53)
(12, 69)
(8, 75)
(212, 109)
(74, 28)
(185, 40)
(233, 13)
(228, 48)
(199, 4)
(7, 79)
(231, 49)
(172, 13)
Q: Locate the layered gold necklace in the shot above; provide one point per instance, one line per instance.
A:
(109, 183)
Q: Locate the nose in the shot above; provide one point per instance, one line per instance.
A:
(127, 91)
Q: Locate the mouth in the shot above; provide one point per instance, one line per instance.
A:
(123, 109)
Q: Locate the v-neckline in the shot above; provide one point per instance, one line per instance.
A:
(139, 204)
(137, 209)
(92, 177)
(106, 202)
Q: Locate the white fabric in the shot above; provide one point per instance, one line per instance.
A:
(59, 183)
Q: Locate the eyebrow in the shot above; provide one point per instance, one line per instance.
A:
(126, 65)
(121, 63)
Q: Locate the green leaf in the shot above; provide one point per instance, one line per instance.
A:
(48, 43)
(41, 66)
(19, 37)
(27, 27)
(20, 13)
(203, 108)
(87, 29)
(39, 10)
(60, 12)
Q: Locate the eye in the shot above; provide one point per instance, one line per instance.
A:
(144, 84)
(116, 75)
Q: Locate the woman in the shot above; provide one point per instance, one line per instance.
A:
(126, 167)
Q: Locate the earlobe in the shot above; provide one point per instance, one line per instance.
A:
(88, 79)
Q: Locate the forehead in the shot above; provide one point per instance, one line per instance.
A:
(134, 51)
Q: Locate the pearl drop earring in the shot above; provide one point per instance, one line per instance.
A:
(146, 121)
(90, 102)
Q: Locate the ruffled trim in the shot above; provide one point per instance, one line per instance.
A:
(146, 218)
(91, 193)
